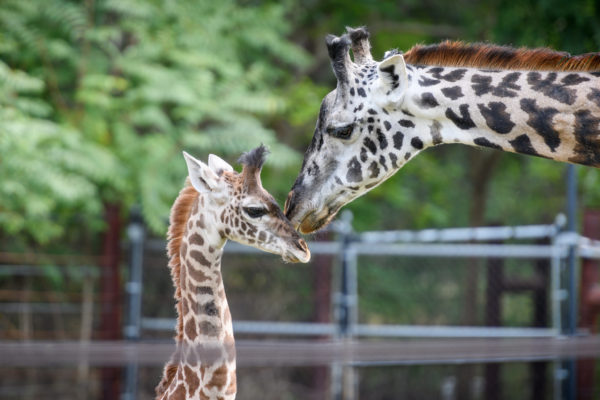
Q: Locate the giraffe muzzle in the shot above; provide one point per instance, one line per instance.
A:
(300, 252)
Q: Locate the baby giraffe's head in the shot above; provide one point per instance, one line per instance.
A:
(239, 209)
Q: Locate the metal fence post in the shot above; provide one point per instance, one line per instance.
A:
(557, 296)
(346, 298)
(571, 323)
(136, 234)
(343, 382)
(348, 301)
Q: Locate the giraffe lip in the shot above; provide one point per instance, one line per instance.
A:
(293, 258)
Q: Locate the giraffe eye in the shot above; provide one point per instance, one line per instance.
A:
(255, 212)
(342, 132)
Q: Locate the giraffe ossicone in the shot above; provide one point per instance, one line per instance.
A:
(381, 114)
(217, 204)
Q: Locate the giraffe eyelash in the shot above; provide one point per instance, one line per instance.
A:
(341, 132)
(255, 212)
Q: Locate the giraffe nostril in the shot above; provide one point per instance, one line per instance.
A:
(289, 205)
(301, 245)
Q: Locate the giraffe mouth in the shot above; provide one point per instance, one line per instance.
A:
(301, 255)
(314, 220)
(293, 258)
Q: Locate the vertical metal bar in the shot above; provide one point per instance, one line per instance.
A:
(344, 308)
(336, 381)
(557, 293)
(136, 234)
(557, 297)
(571, 323)
(343, 382)
(351, 383)
(339, 306)
(572, 227)
(352, 287)
(350, 297)
(348, 278)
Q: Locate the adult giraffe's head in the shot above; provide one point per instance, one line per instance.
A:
(237, 207)
(356, 140)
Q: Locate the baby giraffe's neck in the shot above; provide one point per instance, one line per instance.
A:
(205, 357)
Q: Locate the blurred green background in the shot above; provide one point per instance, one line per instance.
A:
(99, 97)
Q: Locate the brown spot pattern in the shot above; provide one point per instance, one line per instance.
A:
(179, 393)
(199, 257)
(192, 380)
(209, 329)
(197, 274)
(232, 388)
(219, 378)
(190, 329)
(197, 239)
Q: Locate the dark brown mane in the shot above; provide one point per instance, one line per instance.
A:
(254, 158)
(482, 55)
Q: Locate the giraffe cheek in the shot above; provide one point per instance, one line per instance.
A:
(354, 173)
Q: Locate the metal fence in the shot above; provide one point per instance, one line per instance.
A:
(442, 243)
(551, 244)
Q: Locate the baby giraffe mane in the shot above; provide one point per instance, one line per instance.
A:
(488, 56)
(180, 213)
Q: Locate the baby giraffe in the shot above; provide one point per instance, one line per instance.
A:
(217, 204)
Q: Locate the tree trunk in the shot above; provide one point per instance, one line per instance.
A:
(110, 318)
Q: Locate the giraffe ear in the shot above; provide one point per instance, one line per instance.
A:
(393, 79)
(218, 165)
(202, 177)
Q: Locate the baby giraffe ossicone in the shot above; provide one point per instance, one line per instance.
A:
(216, 204)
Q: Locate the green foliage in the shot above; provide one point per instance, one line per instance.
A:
(45, 167)
(114, 91)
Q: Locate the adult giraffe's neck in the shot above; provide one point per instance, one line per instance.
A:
(549, 114)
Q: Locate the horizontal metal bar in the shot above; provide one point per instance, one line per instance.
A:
(158, 324)
(325, 248)
(586, 251)
(364, 330)
(38, 270)
(424, 331)
(255, 327)
(284, 328)
(330, 248)
(460, 234)
(463, 250)
(40, 308)
(424, 250)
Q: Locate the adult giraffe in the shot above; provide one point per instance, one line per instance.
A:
(381, 114)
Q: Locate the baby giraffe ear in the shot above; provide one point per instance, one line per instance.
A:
(393, 79)
(202, 177)
(218, 165)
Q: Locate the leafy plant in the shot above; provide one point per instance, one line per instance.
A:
(114, 90)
